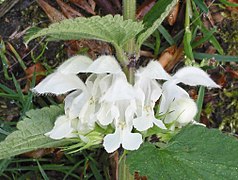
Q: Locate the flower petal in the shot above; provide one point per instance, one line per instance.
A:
(153, 70)
(120, 90)
(182, 111)
(194, 76)
(105, 64)
(62, 128)
(131, 141)
(74, 103)
(112, 142)
(159, 123)
(170, 92)
(58, 83)
(107, 113)
(142, 123)
(75, 65)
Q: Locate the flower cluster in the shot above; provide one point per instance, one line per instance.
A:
(106, 98)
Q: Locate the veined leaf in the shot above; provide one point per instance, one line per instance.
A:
(154, 18)
(194, 153)
(112, 29)
(30, 133)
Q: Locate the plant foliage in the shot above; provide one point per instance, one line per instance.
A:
(155, 17)
(30, 134)
(194, 153)
(112, 29)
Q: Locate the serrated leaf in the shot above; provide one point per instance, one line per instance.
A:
(30, 133)
(112, 29)
(155, 17)
(194, 153)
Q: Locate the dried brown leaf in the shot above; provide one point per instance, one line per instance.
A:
(83, 4)
(67, 10)
(92, 48)
(106, 6)
(92, 4)
(178, 54)
(39, 153)
(172, 17)
(144, 8)
(38, 69)
(167, 55)
(53, 14)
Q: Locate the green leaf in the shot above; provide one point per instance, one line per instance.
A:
(201, 94)
(198, 22)
(229, 3)
(188, 35)
(217, 57)
(154, 18)
(30, 133)
(194, 153)
(201, 5)
(111, 29)
(166, 35)
(206, 37)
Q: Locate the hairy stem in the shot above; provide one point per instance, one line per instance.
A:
(129, 12)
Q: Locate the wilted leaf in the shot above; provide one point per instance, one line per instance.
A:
(84, 5)
(172, 17)
(144, 8)
(53, 14)
(167, 55)
(68, 11)
(36, 68)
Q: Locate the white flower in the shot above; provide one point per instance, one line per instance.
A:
(181, 112)
(123, 127)
(192, 76)
(149, 91)
(65, 78)
(175, 101)
(63, 128)
(82, 103)
(121, 97)
(173, 98)
(106, 98)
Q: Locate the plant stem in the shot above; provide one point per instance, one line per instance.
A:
(129, 12)
(123, 173)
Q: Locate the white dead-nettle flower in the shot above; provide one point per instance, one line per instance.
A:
(175, 102)
(82, 103)
(106, 98)
(149, 91)
(175, 98)
(121, 96)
